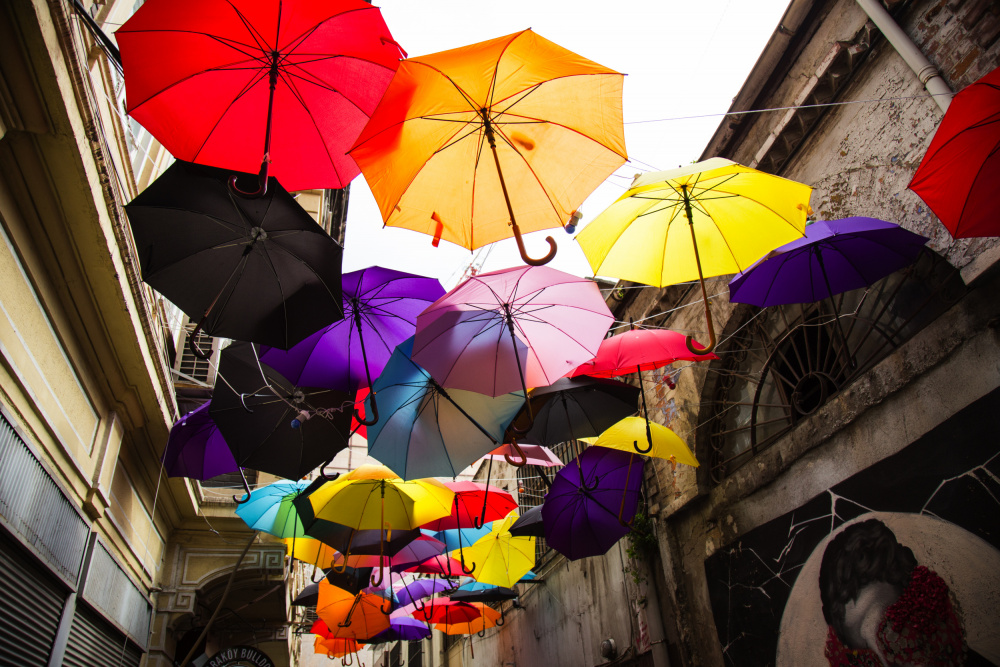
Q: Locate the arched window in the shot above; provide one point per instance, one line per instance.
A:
(779, 365)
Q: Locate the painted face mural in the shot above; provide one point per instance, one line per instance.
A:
(898, 565)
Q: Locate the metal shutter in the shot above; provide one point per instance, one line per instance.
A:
(31, 604)
(93, 641)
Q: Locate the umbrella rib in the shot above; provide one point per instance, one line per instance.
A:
(294, 42)
(246, 89)
(257, 36)
(532, 120)
(979, 171)
(261, 72)
(319, 134)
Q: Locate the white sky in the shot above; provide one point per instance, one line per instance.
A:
(681, 59)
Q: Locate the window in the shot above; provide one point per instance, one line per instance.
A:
(777, 366)
(193, 369)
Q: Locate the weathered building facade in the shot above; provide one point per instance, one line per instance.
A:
(801, 437)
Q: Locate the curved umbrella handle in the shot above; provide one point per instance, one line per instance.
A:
(588, 487)
(347, 620)
(368, 422)
(313, 579)
(503, 618)
(193, 346)
(516, 464)
(261, 182)
(466, 570)
(419, 602)
(482, 633)
(342, 568)
(388, 609)
(635, 445)
(246, 487)
(694, 347)
(524, 253)
(322, 470)
(345, 661)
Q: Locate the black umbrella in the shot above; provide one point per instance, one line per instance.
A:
(577, 407)
(271, 425)
(352, 579)
(258, 270)
(529, 524)
(308, 597)
(496, 594)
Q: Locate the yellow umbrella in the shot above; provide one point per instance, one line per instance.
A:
(734, 215)
(375, 498)
(308, 550)
(500, 558)
(666, 444)
(463, 138)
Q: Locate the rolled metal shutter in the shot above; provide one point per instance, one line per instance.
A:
(31, 604)
(94, 641)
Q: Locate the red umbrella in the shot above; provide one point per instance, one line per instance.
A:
(960, 173)
(473, 505)
(214, 80)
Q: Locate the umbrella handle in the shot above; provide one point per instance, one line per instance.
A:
(312, 578)
(368, 422)
(482, 633)
(261, 183)
(503, 619)
(342, 568)
(343, 661)
(322, 471)
(466, 570)
(649, 448)
(531, 261)
(193, 346)
(516, 464)
(427, 615)
(350, 612)
(597, 482)
(246, 486)
(689, 340)
(386, 611)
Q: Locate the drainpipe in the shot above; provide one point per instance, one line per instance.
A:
(925, 71)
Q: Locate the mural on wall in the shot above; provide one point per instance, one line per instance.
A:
(897, 565)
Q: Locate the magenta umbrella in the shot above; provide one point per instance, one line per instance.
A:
(511, 329)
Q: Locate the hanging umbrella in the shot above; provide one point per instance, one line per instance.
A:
(359, 616)
(257, 270)
(410, 593)
(448, 612)
(212, 78)
(485, 593)
(402, 628)
(640, 350)
(312, 551)
(960, 173)
(380, 312)
(430, 431)
(509, 329)
(586, 519)
(501, 558)
(734, 216)
(664, 443)
(416, 551)
(373, 497)
(270, 424)
(443, 564)
(529, 524)
(534, 455)
(352, 580)
(270, 509)
(196, 449)
(552, 122)
(468, 536)
(308, 596)
(336, 647)
(473, 505)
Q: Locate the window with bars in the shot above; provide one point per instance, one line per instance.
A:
(534, 489)
(416, 654)
(190, 366)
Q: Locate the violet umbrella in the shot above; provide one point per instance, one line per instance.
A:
(402, 628)
(835, 256)
(511, 329)
(587, 519)
(411, 593)
(196, 448)
(380, 312)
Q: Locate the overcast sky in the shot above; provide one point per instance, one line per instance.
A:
(680, 58)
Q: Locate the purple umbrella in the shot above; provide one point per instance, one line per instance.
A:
(196, 449)
(421, 588)
(380, 312)
(587, 519)
(833, 257)
(402, 628)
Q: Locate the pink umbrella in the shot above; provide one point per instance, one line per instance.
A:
(511, 329)
(536, 455)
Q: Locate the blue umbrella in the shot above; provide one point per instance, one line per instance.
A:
(429, 431)
(469, 536)
(270, 509)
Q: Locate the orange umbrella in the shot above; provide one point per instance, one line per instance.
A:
(465, 137)
(459, 626)
(334, 647)
(360, 616)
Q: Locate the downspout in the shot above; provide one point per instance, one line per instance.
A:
(925, 71)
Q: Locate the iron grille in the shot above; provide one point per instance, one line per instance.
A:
(191, 365)
(528, 478)
(111, 592)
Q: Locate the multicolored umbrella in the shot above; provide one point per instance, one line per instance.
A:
(551, 119)
(210, 79)
(473, 504)
(591, 502)
(734, 215)
(960, 173)
(196, 448)
(380, 312)
(430, 431)
(270, 509)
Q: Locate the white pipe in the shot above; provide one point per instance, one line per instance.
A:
(925, 71)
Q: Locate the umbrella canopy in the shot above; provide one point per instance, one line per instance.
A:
(733, 214)
(416, 551)
(352, 580)
(408, 593)
(501, 558)
(486, 593)
(529, 524)
(402, 628)
(270, 509)
(442, 564)
(468, 536)
(506, 330)
(258, 270)
(586, 519)
(834, 256)
(224, 83)
(429, 431)
(960, 173)
(307, 597)
(270, 424)
(312, 551)
(196, 449)
(455, 622)
(638, 350)
(357, 616)
(380, 312)
(665, 443)
(572, 408)
(335, 647)
(468, 503)
(447, 612)
(550, 119)
(536, 455)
